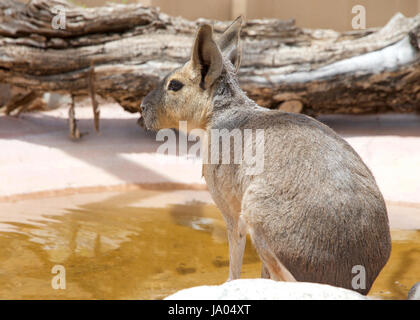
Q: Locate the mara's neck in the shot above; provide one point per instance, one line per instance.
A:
(229, 102)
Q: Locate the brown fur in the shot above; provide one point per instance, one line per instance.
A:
(314, 212)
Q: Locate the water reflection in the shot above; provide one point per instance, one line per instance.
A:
(118, 247)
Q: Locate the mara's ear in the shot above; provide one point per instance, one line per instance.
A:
(206, 57)
(229, 43)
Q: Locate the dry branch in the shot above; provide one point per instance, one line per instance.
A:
(132, 47)
(95, 106)
(73, 130)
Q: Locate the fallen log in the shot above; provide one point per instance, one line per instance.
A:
(132, 46)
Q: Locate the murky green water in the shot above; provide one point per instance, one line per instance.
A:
(136, 245)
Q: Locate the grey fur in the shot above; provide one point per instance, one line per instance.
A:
(313, 214)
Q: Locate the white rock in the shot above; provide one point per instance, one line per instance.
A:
(414, 293)
(265, 289)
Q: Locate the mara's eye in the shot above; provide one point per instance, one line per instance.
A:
(175, 85)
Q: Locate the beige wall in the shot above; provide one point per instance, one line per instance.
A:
(332, 14)
(190, 9)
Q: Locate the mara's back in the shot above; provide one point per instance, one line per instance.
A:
(315, 201)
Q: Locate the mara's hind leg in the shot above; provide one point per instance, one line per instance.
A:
(276, 269)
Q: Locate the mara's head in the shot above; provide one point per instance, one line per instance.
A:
(187, 93)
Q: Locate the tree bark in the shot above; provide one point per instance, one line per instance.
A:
(123, 50)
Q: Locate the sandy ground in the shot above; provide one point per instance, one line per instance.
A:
(36, 154)
(37, 157)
